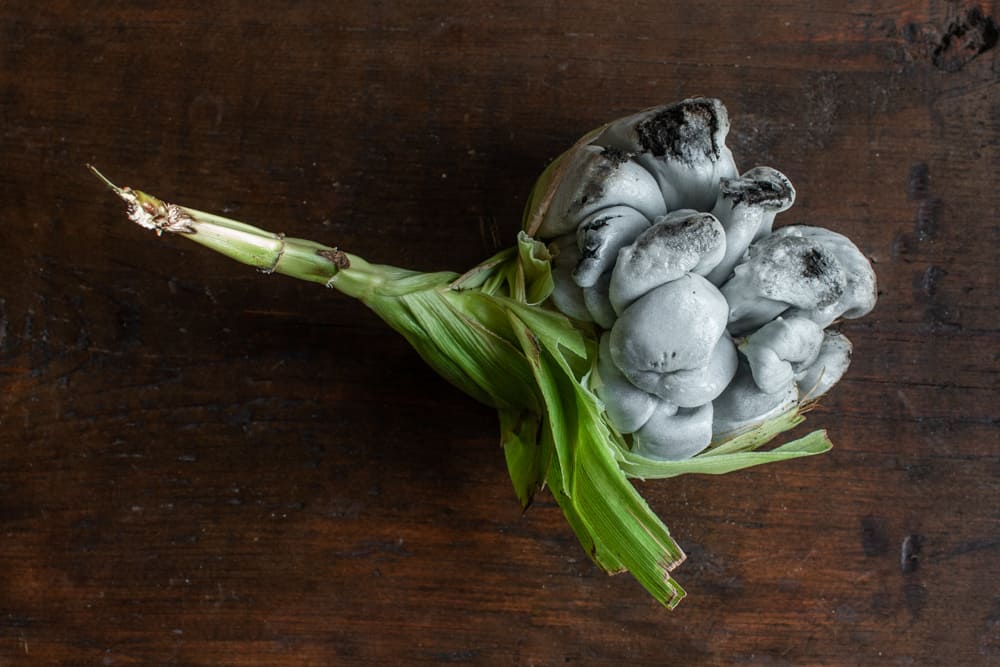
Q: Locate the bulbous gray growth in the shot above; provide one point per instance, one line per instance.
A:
(859, 293)
(815, 273)
(743, 405)
(689, 388)
(678, 243)
(675, 436)
(746, 207)
(782, 269)
(598, 305)
(779, 349)
(595, 179)
(600, 236)
(668, 370)
(682, 145)
(830, 365)
(674, 327)
(627, 406)
(566, 294)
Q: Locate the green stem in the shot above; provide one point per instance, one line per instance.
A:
(256, 247)
(277, 253)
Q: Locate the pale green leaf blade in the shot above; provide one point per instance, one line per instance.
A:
(398, 316)
(528, 455)
(614, 523)
(559, 415)
(468, 354)
(641, 467)
(553, 329)
(591, 543)
(480, 274)
(757, 436)
(535, 265)
(629, 532)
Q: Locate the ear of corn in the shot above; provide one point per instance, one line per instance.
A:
(485, 332)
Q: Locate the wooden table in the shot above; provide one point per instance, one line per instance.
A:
(200, 465)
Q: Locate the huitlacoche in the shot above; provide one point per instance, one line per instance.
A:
(712, 321)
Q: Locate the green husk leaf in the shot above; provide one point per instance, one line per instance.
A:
(478, 276)
(562, 426)
(557, 333)
(528, 455)
(758, 436)
(720, 464)
(535, 270)
(611, 519)
(735, 453)
(450, 335)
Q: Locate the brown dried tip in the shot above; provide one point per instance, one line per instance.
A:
(148, 211)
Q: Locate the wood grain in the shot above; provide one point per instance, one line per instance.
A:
(200, 465)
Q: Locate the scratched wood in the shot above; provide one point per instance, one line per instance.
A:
(200, 465)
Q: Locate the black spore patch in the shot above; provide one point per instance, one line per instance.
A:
(616, 156)
(814, 263)
(593, 190)
(601, 169)
(593, 242)
(769, 192)
(698, 233)
(599, 223)
(797, 270)
(685, 131)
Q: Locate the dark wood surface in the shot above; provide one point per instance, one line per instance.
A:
(200, 465)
